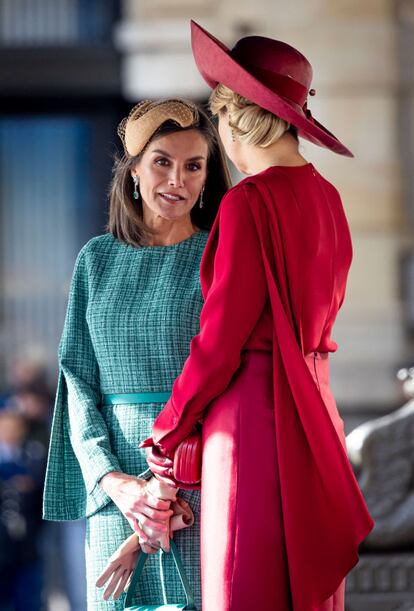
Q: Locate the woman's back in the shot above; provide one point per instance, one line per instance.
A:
(314, 252)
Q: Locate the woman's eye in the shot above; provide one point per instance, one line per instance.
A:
(162, 161)
(193, 167)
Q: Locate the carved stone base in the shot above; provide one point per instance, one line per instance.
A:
(381, 582)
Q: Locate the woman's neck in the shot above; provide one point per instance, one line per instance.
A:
(284, 152)
(166, 232)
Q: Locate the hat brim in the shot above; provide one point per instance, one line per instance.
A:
(216, 65)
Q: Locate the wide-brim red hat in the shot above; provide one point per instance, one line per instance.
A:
(268, 72)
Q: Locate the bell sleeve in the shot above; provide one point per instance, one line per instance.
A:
(80, 453)
(233, 305)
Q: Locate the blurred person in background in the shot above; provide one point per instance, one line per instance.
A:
(35, 402)
(134, 305)
(21, 483)
(29, 394)
(25, 372)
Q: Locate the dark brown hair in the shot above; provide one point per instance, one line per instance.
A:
(125, 213)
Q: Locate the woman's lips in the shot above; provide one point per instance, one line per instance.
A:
(171, 198)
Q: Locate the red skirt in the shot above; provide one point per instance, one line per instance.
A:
(243, 554)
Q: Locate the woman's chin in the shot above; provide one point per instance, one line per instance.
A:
(172, 214)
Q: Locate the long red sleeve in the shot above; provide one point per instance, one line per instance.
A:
(233, 305)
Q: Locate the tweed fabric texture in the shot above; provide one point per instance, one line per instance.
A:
(106, 530)
(131, 315)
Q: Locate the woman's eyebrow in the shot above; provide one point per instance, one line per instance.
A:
(165, 154)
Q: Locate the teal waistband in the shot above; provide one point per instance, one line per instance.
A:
(135, 397)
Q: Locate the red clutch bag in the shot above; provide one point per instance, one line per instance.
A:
(187, 462)
(184, 468)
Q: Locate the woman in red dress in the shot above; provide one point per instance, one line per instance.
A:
(282, 515)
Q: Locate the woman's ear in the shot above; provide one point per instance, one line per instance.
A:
(134, 169)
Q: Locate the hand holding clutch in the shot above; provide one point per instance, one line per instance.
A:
(133, 497)
(183, 470)
(160, 465)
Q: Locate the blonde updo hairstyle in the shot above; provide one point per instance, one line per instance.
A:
(250, 123)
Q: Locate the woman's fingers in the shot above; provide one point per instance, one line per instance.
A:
(148, 549)
(138, 504)
(156, 514)
(138, 529)
(121, 557)
(121, 584)
(157, 541)
(161, 540)
(165, 542)
(107, 572)
(113, 582)
(132, 495)
(156, 503)
(128, 583)
(150, 523)
(153, 530)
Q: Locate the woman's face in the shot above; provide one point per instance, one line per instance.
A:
(172, 171)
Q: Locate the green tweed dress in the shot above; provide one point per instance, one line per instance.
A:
(131, 315)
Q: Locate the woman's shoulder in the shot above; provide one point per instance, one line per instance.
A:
(93, 253)
(236, 193)
(98, 244)
(97, 247)
(252, 184)
(277, 180)
(242, 193)
(103, 250)
(272, 178)
(203, 235)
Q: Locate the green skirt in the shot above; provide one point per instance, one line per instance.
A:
(107, 528)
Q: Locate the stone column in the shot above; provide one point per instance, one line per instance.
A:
(404, 14)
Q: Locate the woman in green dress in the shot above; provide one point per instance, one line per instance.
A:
(134, 305)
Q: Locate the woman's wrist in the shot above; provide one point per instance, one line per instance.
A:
(108, 481)
(162, 490)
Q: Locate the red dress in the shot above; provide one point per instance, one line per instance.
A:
(282, 515)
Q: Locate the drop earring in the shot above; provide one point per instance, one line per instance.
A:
(201, 200)
(135, 194)
(233, 137)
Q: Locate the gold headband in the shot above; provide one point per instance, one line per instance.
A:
(145, 118)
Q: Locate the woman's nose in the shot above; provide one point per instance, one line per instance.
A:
(175, 178)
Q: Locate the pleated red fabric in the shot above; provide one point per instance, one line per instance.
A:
(322, 543)
(273, 277)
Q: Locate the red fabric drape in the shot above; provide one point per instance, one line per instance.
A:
(325, 516)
